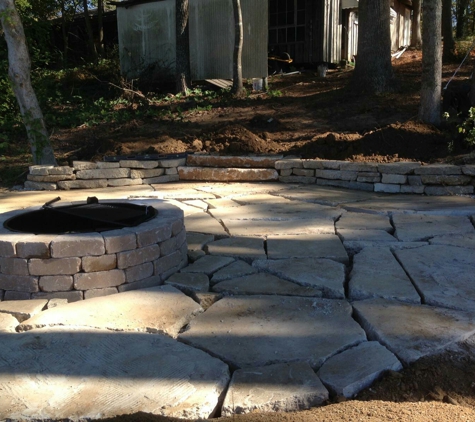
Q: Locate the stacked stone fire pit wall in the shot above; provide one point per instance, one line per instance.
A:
(85, 265)
(399, 177)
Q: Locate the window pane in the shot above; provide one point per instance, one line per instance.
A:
(301, 4)
(291, 35)
(290, 18)
(282, 37)
(273, 19)
(282, 20)
(301, 17)
(301, 33)
(273, 36)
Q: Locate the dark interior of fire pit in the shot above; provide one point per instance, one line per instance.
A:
(80, 218)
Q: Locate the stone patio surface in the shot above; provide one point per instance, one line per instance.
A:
(293, 294)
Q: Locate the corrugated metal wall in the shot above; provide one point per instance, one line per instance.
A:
(147, 35)
(331, 45)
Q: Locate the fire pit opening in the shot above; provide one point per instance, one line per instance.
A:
(80, 218)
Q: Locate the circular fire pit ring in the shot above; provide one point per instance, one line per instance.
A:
(85, 263)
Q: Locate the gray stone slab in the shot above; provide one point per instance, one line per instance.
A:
(230, 190)
(251, 331)
(208, 265)
(238, 247)
(412, 228)
(278, 227)
(221, 203)
(284, 387)
(376, 273)
(23, 309)
(261, 198)
(325, 195)
(413, 331)
(444, 275)
(189, 282)
(363, 221)
(264, 284)
(324, 274)
(8, 323)
(355, 369)
(197, 203)
(202, 222)
(206, 299)
(460, 240)
(348, 235)
(355, 246)
(196, 241)
(234, 270)
(307, 246)
(163, 310)
(56, 374)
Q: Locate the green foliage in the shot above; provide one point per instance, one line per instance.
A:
(272, 93)
(467, 128)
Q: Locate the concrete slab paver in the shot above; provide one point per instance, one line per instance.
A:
(284, 387)
(63, 373)
(251, 331)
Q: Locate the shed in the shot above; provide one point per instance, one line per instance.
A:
(147, 36)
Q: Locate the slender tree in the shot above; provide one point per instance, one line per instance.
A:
(238, 88)
(19, 66)
(430, 107)
(447, 32)
(90, 35)
(416, 35)
(183, 71)
(373, 71)
(100, 27)
(461, 14)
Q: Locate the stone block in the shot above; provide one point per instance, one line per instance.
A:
(356, 166)
(387, 188)
(103, 174)
(446, 180)
(14, 266)
(312, 164)
(332, 164)
(399, 179)
(401, 167)
(72, 296)
(208, 264)
(54, 303)
(289, 163)
(188, 283)
(29, 185)
(55, 283)
(161, 179)
(141, 284)
(35, 247)
(124, 182)
(349, 175)
(87, 281)
(13, 295)
(285, 172)
(50, 178)
(168, 246)
(63, 170)
(107, 165)
(139, 272)
(84, 165)
(22, 310)
(297, 179)
(165, 263)
(137, 256)
(448, 190)
(177, 227)
(59, 266)
(412, 189)
(150, 233)
(139, 164)
(81, 244)
(211, 174)
(146, 173)
(119, 241)
(414, 180)
(469, 170)
(39, 170)
(336, 183)
(92, 264)
(304, 172)
(444, 169)
(201, 160)
(368, 178)
(19, 283)
(89, 294)
(171, 171)
(328, 174)
(82, 184)
(206, 299)
(172, 162)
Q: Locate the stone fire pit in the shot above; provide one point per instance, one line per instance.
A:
(77, 266)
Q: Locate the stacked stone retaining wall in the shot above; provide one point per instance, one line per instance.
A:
(398, 177)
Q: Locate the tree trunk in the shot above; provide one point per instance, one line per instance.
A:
(64, 32)
(430, 106)
(19, 73)
(416, 35)
(447, 33)
(373, 71)
(462, 6)
(237, 89)
(100, 26)
(183, 71)
(90, 35)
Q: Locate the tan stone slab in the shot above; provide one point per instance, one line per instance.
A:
(189, 282)
(71, 296)
(364, 221)
(202, 222)
(208, 265)
(54, 283)
(114, 173)
(106, 291)
(22, 309)
(58, 266)
(221, 203)
(50, 178)
(260, 161)
(123, 182)
(99, 263)
(234, 270)
(261, 198)
(108, 374)
(163, 310)
(119, 240)
(284, 387)
(198, 203)
(348, 235)
(139, 164)
(8, 323)
(227, 175)
(146, 173)
(83, 184)
(238, 247)
(232, 190)
(279, 227)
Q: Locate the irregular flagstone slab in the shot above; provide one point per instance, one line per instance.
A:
(376, 273)
(238, 247)
(355, 246)
(325, 195)
(324, 274)
(251, 331)
(182, 193)
(416, 227)
(365, 235)
(196, 241)
(221, 203)
(364, 221)
(264, 284)
(206, 299)
(53, 374)
(8, 323)
(283, 387)
(229, 190)
(23, 309)
(444, 275)
(162, 309)
(355, 369)
(234, 270)
(303, 246)
(208, 264)
(271, 228)
(189, 282)
(413, 331)
(198, 203)
(460, 240)
(261, 198)
(202, 222)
